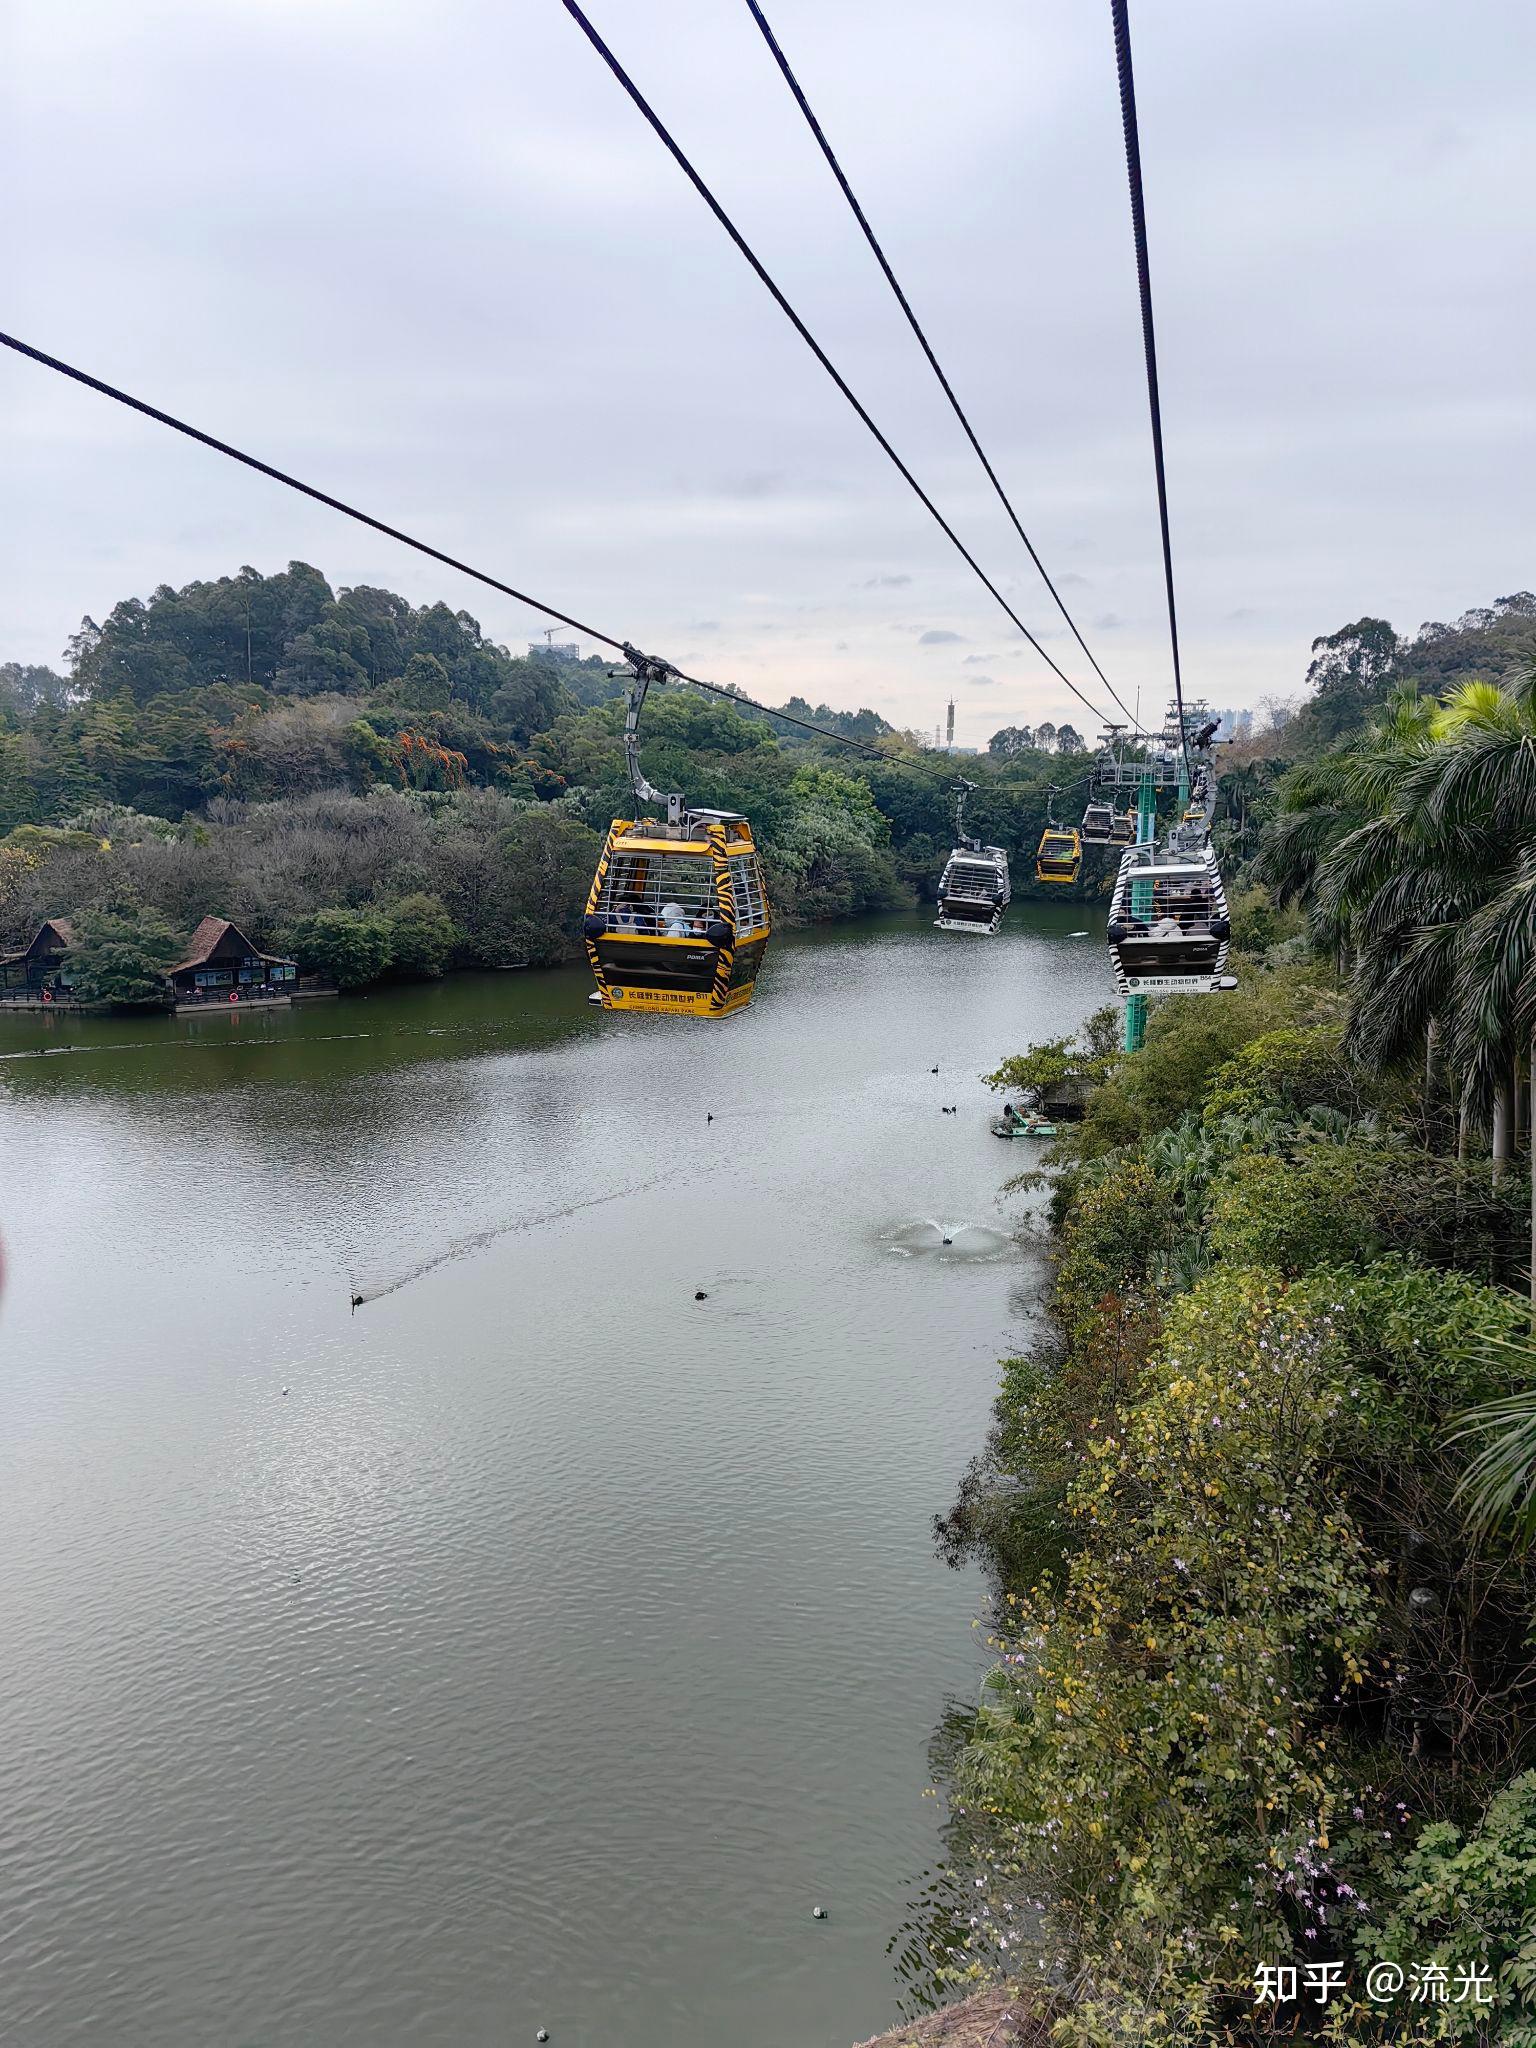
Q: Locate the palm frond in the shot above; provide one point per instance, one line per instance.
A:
(1498, 1488)
(1292, 848)
(1397, 990)
(1496, 967)
(1485, 779)
(1476, 704)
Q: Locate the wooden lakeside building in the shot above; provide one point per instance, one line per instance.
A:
(223, 966)
(38, 973)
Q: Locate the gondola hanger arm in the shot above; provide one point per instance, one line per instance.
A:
(645, 669)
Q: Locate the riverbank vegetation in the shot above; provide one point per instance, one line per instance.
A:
(1256, 1507)
(321, 764)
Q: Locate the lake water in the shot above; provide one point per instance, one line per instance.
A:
(557, 1641)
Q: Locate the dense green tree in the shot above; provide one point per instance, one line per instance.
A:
(1351, 674)
(123, 960)
(422, 937)
(424, 685)
(1012, 741)
(349, 947)
(546, 863)
(25, 685)
(333, 655)
(529, 697)
(854, 725)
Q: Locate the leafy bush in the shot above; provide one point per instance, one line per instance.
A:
(1288, 1069)
(1287, 1214)
(1420, 1335)
(1257, 924)
(1118, 1227)
(1327, 1203)
(1189, 1040)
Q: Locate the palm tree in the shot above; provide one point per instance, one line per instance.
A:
(1324, 803)
(1415, 848)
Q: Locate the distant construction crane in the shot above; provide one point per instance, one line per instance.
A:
(567, 650)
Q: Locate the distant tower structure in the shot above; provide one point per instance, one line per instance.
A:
(949, 727)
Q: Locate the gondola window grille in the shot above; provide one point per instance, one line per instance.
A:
(641, 894)
(747, 898)
(973, 881)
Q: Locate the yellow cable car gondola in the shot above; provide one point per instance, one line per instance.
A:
(677, 920)
(1059, 855)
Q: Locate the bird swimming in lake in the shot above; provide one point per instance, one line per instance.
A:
(699, 1294)
(933, 1070)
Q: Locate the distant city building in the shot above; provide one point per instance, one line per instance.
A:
(1235, 725)
(557, 650)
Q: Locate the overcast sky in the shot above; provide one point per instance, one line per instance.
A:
(425, 254)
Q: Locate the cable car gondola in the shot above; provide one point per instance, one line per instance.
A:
(1168, 923)
(974, 888)
(677, 920)
(1123, 831)
(1059, 855)
(1098, 826)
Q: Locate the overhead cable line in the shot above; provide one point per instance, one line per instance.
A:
(1148, 334)
(674, 150)
(661, 671)
(922, 340)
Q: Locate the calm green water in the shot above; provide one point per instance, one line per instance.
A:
(557, 1641)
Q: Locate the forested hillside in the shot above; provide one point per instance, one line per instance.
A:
(275, 750)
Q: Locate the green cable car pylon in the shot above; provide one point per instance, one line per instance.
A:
(1141, 902)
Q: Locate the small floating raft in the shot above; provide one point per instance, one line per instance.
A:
(1009, 1125)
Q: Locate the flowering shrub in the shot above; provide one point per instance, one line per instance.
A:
(1463, 1903)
